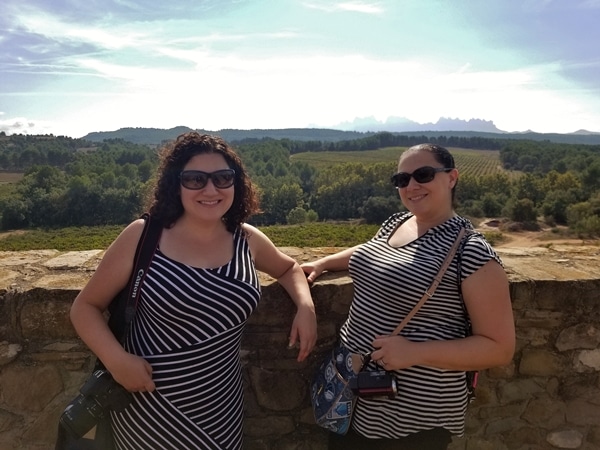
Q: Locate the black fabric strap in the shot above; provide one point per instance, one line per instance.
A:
(143, 255)
(124, 306)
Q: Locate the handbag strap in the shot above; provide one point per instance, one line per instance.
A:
(436, 281)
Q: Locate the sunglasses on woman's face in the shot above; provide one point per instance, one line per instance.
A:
(421, 175)
(196, 179)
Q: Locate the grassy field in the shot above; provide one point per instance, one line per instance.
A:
(310, 235)
(7, 183)
(468, 161)
(89, 238)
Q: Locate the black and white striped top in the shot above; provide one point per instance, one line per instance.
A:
(388, 282)
(188, 327)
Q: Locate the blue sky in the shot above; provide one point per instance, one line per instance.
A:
(69, 67)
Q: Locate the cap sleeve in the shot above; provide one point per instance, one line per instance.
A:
(474, 253)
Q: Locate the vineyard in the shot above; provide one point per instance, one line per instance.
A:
(477, 162)
(468, 161)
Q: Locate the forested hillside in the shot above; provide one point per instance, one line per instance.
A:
(74, 182)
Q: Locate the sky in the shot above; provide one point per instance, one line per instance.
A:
(69, 67)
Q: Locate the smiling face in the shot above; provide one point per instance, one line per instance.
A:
(208, 203)
(429, 201)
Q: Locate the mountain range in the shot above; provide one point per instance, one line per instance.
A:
(401, 124)
(359, 128)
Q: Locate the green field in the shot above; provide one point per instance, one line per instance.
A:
(88, 238)
(468, 161)
(7, 183)
(318, 234)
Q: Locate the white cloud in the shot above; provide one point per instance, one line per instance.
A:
(360, 7)
(241, 92)
(57, 30)
(22, 125)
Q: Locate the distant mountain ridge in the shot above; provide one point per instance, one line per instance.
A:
(157, 136)
(401, 124)
(359, 128)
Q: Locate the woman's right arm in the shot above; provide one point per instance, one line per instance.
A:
(111, 276)
(332, 263)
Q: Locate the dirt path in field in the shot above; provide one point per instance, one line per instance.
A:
(543, 238)
(9, 233)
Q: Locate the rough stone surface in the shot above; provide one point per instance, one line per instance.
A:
(547, 398)
(565, 439)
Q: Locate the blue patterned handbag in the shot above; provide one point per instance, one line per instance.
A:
(332, 399)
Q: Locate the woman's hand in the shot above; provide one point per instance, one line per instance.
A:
(304, 331)
(132, 372)
(312, 270)
(395, 352)
(331, 263)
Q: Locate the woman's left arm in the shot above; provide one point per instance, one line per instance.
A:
(487, 299)
(270, 260)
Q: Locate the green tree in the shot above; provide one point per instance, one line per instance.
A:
(529, 187)
(555, 205)
(376, 209)
(492, 204)
(312, 216)
(584, 217)
(522, 210)
(296, 216)
(278, 197)
(15, 214)
(468, 188)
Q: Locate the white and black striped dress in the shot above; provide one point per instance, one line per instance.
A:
(388, 282)
(188, 327)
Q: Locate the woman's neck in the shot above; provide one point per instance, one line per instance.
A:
(423, 224)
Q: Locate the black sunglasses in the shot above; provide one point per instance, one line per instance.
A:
(196, 179)
(421, 175)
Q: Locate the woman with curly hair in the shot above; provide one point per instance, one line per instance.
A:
(181, 356)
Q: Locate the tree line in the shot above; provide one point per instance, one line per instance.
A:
(71, 182)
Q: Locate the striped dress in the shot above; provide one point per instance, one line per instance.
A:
(188, 327)
(388, 282)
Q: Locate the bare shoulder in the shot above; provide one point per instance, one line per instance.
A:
(251, 230)
(127, 240)
(254, 236)
(265, 254)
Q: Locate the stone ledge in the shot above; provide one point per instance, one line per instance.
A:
(51, 269)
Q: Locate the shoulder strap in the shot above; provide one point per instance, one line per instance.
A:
(436, 281)
(143, 255)
(123, 307)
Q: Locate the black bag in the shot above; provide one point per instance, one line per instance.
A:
(101, 393)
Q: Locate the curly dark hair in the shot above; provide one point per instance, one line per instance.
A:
(166, 205)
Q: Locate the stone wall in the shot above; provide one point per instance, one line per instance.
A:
(548, 398)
